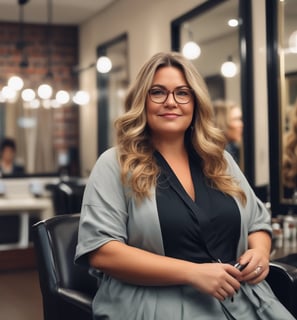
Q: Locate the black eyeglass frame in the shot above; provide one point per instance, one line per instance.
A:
(190, 90)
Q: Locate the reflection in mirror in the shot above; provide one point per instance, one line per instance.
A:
(45, 131)
(112, 87)
(282, 75)
(288, 68)
(215, 32)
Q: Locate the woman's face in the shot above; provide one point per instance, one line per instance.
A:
(235, 125)
(169, 118)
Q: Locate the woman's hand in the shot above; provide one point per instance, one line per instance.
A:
(217, 279)
(257, 258)
(257, 268)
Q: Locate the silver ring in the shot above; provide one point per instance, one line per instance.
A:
(258, 269)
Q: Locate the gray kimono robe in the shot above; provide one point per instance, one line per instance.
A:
(108, 213)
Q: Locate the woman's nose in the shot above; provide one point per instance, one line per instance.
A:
(170, 101)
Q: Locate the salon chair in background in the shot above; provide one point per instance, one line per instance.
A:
(67, 196)
(67, 289)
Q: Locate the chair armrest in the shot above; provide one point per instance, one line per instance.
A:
(289, 270)
(282, 279)
(79, 299)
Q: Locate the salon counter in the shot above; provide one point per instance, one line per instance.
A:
(25, 197)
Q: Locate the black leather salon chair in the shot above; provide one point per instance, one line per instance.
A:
(67, 289)
(67, 196)
(282, 278)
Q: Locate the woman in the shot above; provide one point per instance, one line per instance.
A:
(289, 164)
(167, 213)
(228, 118)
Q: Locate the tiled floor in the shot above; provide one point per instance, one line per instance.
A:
(20, 297)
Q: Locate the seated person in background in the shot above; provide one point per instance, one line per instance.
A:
(167, 213)
(8, 165)
(228, 118)
(289, 165)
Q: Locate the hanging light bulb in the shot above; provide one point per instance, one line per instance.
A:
(81, 97)
(229, 68)
(28, 95)
(8, 93)
(62, 97)
(103, 64)
(233, 23)
(16, 83)
(45, 91)
(191, 50)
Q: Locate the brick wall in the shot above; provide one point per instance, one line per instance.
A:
(63, 46)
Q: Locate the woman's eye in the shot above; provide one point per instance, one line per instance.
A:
(157, 92)
(183, 93)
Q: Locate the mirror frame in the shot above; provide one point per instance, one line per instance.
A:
(278, 206)
(102, 87)
(246, 78)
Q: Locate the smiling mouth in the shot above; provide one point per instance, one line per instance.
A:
(172, 115)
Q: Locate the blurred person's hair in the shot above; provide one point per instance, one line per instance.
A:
(289, 164)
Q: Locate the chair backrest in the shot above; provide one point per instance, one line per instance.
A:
(55, 241)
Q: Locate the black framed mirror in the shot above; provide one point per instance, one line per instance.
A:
(208, 26)
(111, 88)
(282, 99)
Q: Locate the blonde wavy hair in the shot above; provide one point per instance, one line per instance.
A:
(222, 111)
(139, 170)
(290, 153)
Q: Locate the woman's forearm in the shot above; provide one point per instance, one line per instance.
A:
(139, 266)
(260, 240)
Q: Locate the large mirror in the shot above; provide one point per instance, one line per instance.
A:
(112, 87)
(222, 29)
(282, 77)
(37, 69)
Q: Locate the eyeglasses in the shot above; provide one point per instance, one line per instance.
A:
(181, 95)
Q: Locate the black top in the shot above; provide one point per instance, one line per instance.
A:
(201, 231)
(17, 171)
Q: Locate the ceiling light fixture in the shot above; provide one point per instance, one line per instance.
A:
(233, 23)
(45, 90)
(229, 68)
(15, 87)
(21, 44)
(16, 83)
(191, 49)
(103, 64)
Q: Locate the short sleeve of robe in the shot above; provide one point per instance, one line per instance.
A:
(103, 194)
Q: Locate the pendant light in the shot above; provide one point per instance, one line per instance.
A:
(21, 44)
(229, 68)
(191, 49)
(45, 90)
